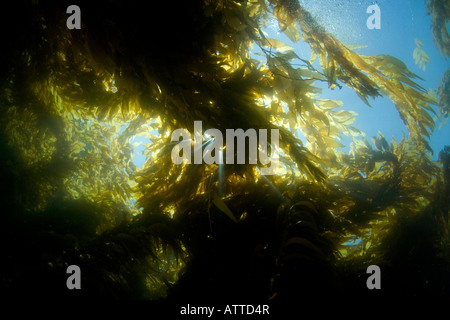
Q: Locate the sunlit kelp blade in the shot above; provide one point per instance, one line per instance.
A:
(421, 58)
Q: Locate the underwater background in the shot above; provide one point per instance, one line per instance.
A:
(87, 177)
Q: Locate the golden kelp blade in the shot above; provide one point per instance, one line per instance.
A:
(420, 56)
(224, 208)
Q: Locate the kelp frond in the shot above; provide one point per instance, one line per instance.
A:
(421, 58)
(369, 76)
(440, 12)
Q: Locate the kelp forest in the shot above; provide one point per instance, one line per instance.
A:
(73, 100)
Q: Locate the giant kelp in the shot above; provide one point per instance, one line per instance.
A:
(72, 100)
(439, 11)
(443, 96)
